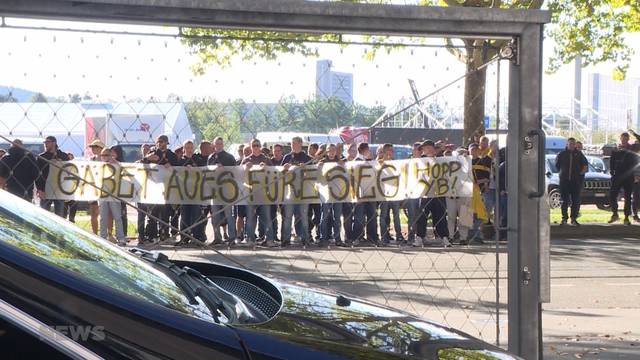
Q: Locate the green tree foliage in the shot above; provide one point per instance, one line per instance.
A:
(237, 120)
(38, 98)
(594, 30)
(7, 98)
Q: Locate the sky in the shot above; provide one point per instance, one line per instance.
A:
(123, 67)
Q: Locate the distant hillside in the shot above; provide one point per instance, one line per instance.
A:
(21, 95)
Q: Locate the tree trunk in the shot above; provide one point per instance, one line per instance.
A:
(474, 91)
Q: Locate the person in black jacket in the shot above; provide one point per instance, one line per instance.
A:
(222, 213)
(160, 155)
(623, 163)
(572, 165)
(51, 153)
(19, 171)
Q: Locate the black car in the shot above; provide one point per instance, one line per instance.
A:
(65, 293)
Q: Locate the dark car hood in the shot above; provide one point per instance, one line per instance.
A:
(312, 317)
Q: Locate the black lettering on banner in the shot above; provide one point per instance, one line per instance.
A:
(309, 179)
(382, 180)
(125, 175)
(107, 183)
(422, 172)
(271, 186)
(443, 186)
(195, 184)
(339, 174)
(454, 166)
(289, 180)
(61, 180)
(251, 180)
(444, 169)
(360, 176)
(454, 181)
(427, 186)
(227, 178)
(146, 171)
(204, 195)
(88, 178)
(173, 183)
(436, 170)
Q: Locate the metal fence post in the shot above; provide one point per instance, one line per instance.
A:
(524, 144)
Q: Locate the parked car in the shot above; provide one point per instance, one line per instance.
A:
(66, 293)
(595, 190)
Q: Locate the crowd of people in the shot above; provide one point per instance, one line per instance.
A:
(454, 220)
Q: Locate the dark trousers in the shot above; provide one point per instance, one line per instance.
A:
(58, 206)
(157, 230)
(625, 184)
(438, 210)
(174, 215)
(189, 214)
(365, 216)
(315, 215)
(570, 194)
(636, 198)
(142, 215)
(348, 212)
(70, 209)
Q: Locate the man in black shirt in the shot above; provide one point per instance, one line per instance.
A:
(623, 163)
(19, 171)
(572, 165)
(331, 219)
(434, 206)
(295, 158)
(51, 153)
(253, 211)
(188, 214)
(160, 155)
(222, 213)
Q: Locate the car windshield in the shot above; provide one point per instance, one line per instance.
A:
(42, 234)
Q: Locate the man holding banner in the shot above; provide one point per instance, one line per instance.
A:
(222, 212)
(257, 158)
(292, 162)
(160, 155)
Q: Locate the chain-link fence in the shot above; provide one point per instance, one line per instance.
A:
(93, 92)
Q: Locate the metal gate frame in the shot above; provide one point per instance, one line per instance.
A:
(528, 240)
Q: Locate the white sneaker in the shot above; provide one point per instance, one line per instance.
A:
(446, 242)
(246, 242)
(417, 242)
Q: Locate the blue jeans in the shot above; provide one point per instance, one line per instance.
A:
(413, 208)
(218, 214)
(58, 206)
(386, 209)
(331, 214)
(253, 211)
(301, 212)
(488, 198)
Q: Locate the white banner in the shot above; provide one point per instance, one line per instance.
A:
(355, 181)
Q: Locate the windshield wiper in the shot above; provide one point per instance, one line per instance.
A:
(194, 285)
